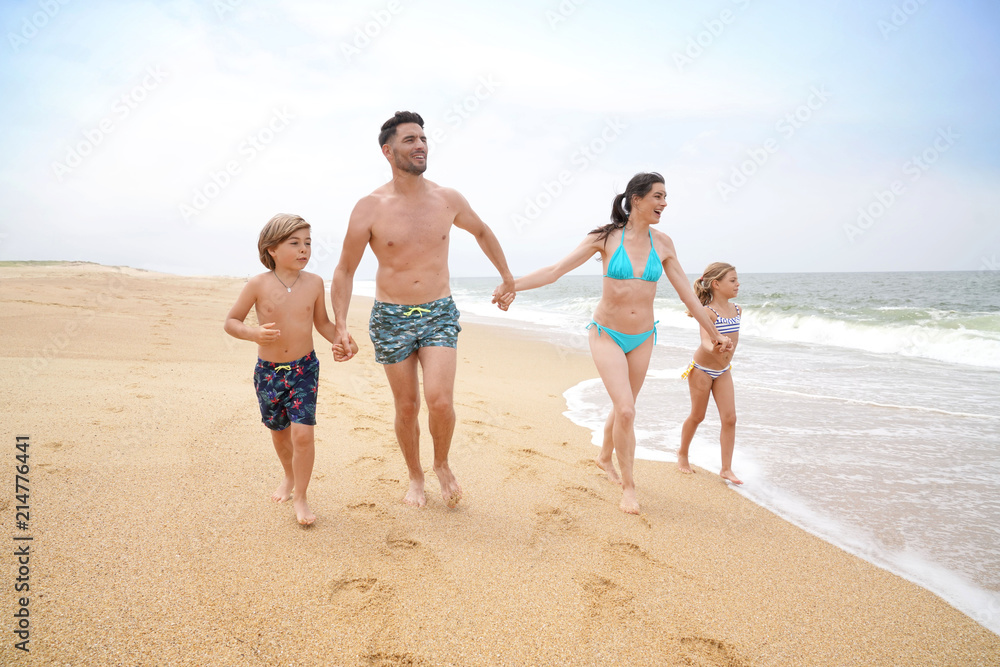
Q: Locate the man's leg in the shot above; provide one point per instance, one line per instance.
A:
(405, 387)
(438, 364)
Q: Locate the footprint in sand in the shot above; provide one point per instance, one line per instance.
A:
(705, 651)
(604, 597)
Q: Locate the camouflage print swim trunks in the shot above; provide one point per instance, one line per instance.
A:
(397, 331)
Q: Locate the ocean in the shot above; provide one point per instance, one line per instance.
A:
(868, 409)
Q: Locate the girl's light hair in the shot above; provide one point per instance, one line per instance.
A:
(277, 230)
(703, 285)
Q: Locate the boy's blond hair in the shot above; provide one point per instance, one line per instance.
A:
(277, 229)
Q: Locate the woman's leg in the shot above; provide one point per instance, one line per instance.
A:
(623, 376)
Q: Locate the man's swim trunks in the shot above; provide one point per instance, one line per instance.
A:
(287, 391)
(398, 331)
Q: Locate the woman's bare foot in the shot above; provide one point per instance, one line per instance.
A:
(683, 465)
(609, 469)
(303, 513)
(629, 503)
(415, 494)
(284, 491)
(730, 476)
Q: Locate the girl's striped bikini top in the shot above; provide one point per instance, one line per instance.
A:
(727, 325)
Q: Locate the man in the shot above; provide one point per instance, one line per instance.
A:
(407, 223)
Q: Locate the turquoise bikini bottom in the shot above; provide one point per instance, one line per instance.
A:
(627, 342)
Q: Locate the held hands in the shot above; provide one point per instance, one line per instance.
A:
(723, 344)
(265, 335)
(504, 295)
(344, 351)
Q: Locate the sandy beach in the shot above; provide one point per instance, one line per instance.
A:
(154, 541)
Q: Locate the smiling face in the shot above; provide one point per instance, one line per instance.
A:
(293, 253)
(408, 149)
(649, 208)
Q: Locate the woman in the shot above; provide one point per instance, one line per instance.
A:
(622, 332)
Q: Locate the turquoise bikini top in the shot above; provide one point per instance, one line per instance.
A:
(620, 266)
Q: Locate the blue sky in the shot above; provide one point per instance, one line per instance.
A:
(835, 136)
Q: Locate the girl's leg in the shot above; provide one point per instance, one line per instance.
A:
(283, 447)
(725, 400)
(303, 455)
(700, 386)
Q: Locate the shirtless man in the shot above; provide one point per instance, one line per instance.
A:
(407, 223)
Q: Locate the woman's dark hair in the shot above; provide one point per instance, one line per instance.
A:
(389, 126)
(639, 186)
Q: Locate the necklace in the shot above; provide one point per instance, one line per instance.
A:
(288, 288)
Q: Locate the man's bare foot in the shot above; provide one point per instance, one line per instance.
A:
(609, 469)
(629, 503)
(303, 513)
(284, 491)
(683, 465)
(451, 492)
(730, 476)
(415, 495)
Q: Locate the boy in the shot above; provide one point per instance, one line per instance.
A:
(286, 378)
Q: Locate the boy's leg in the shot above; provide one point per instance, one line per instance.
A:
(439, 364)
(404, 383)
(283, 447)
(725, 400)
(303, 456)
(700, 386)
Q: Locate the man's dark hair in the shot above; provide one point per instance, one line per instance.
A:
(389, 126)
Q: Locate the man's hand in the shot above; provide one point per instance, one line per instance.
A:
(504, 295)
(345, 348)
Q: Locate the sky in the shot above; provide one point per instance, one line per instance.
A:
(843, 135)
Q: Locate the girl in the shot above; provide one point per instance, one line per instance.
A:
(710, 373)
(622, 332)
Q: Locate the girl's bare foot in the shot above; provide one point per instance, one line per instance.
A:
(451, 492)
(683, 465)
(730, 476)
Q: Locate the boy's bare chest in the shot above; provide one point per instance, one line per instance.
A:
(280, 304)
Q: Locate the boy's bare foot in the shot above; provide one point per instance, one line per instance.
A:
(609, 469)
(283, 492)
(415, 495)
(303, 513)
(451, 492)
(629, 503)
(683, 465)
(730, 476)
